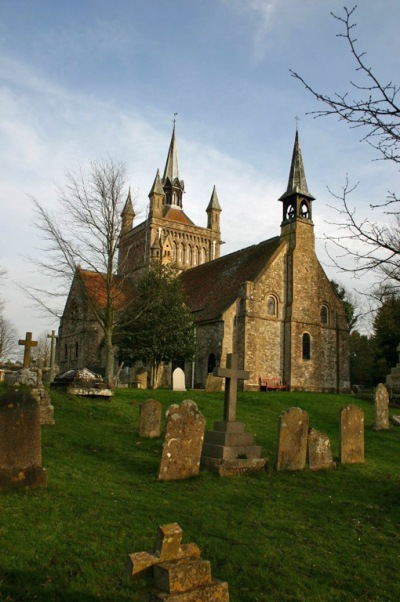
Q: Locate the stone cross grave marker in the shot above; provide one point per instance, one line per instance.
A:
(175, 570)
(184, 435)
(351, 435)
(381, 408)
(292, 440)
(28, 343)
(232, 374)
(150, 419)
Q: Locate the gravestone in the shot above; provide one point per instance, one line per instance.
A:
(381, 408)
(141, 379)
(214, 384)
(319, 451)
(150, 419)
(393, 379)
(27, 377)
(20, 442)
(82, 382)
(28, 343)
(351, 444)
(292, 440)
(178, 380)
(228, 449)
(175, 572)
(184, 435)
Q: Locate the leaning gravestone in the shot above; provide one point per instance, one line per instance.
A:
(150, 419)
(175, 571)
(292, 440)
(183, 442)
(319, 451)
(20, 442)
(351, 435)
(178, 380)
(381, 407)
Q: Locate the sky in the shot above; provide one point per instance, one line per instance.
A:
(90, 79)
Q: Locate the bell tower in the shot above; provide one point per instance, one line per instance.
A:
(297, 200)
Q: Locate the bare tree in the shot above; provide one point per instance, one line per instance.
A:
(8, 338)
(373, 107)
(85, 233)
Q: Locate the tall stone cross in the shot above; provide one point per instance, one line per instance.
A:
(232, 374)
(53, 338)
(28, 343)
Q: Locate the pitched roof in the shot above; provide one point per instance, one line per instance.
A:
(177, 215)
(212, 287)
(95, 285)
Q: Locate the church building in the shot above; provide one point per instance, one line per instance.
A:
(271, 303)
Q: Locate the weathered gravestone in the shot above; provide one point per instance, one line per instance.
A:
(141, 379)
(228, 449)
(27, 377)
(214, 384)
(175, 571)
(20, 442)
(292, 440)
(351, 444)
(150, 418)
(184, 435)
(381, 407)
(178, 380)
(319, 451)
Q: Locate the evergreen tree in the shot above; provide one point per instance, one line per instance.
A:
(387, 335)
(158, 326)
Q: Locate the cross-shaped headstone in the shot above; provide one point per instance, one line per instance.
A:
(28, 343)
(232, 374)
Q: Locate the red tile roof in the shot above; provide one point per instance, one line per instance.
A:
(95, 284)
(178, 215)
(212, 287)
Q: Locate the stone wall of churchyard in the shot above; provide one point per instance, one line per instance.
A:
(209, 340)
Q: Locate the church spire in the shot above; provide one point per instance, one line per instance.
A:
(297, 198)
(172, 185)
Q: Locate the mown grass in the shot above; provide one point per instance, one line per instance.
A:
(273, 536)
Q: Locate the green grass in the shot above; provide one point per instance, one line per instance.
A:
(324, 536)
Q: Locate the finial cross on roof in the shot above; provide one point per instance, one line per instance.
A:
(28, 343)
(174, 119)
(232, 374)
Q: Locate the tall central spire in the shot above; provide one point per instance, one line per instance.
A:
(297, 183)
(171, 170)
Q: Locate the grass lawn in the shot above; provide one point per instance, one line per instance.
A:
(332, 535)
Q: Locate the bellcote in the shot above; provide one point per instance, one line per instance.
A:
(297, 199)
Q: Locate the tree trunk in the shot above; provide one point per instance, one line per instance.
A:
(109, 375)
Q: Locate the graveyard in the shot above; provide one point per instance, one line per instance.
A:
(289, 535)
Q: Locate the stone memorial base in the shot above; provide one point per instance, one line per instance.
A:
(229, 450)
(28, 478)
(46, 408)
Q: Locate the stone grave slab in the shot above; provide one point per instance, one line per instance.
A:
(82, 382)
(175, 571)
(292, 440)
(381, 408)
(150, 419)
(396, 420)
(20, 442)
(351, 444)
(178, 380)
(228, 449)
(319, 451)
(184, 435)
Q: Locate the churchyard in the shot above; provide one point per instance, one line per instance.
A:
(291, 536)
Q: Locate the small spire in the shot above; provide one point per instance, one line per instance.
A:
(128, 207)
(171, 170)
(214, 203)
(157, 186)
(297, 183)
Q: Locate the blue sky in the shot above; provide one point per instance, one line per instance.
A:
(80, 80)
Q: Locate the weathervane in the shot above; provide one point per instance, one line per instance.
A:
(297, 119)
(174, 119)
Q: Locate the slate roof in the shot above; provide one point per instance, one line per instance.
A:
(177, 215)
(95, 285)
(212, 287)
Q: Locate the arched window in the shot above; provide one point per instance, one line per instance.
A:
(173, 251)
(304, 210)
(271, 306)
(65, 352)
(195, 255)
(202, 255)
(211, 363)
(76, 349)
(306, 346)
(324, 314)
(180, 254)
(188, 255)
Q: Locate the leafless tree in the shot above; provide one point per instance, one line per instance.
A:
(8, 339)
(84, 233)
(371, 106)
